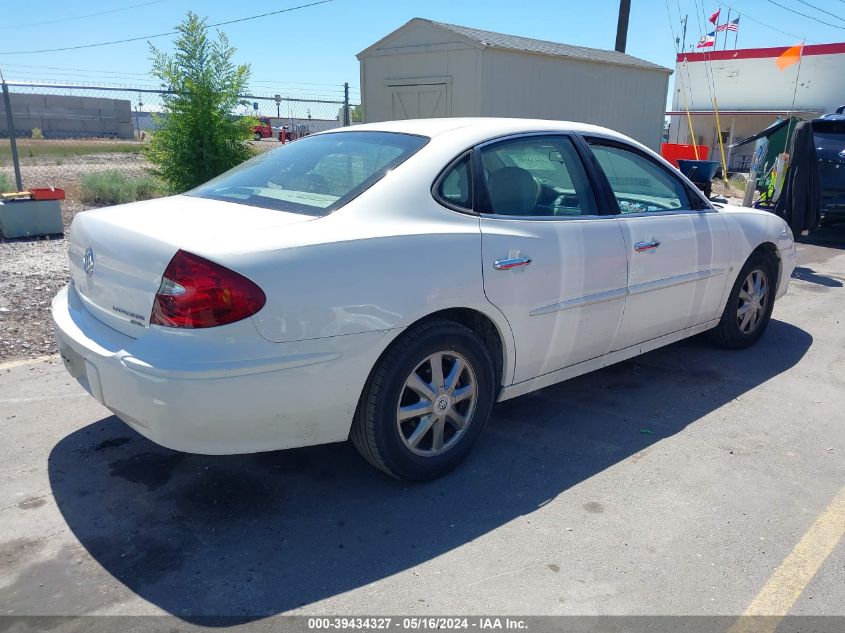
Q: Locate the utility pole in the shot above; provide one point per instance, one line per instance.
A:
(622, 25)
(138, 115)
(7, 101)
(346, 113)
(684, 36)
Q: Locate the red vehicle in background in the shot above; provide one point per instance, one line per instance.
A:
(263, 130)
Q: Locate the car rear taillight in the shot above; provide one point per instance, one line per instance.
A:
(195, 293)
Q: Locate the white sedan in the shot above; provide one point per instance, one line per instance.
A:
(390, 282)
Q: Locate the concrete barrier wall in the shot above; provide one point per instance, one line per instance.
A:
(68, 117)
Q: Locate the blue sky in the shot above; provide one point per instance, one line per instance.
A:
(312, 51)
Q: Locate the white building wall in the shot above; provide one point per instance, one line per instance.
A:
(626, 99)
(758, 84)
(750, 80)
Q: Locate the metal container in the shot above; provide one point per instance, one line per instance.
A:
(30, 218)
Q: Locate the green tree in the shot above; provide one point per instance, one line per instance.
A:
(198, 136)
(356, 114)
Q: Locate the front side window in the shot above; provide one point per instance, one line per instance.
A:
(535, 176)
(639, 184)
(314, 175)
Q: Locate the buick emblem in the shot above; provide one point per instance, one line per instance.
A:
(88, 261)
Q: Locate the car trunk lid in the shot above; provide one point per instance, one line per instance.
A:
(118, 255)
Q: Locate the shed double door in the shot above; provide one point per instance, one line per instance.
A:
(427, 101)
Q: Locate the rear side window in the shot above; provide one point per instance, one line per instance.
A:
(314, 175)
(535, 176)
(455, 186)
(639, 184)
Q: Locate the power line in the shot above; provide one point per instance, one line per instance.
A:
(86, 79)
(81, 17)
(147, 81)
(809, 17)
(822, 10)
(768, 26)
(93, 73)
(81, 70)
(150, 37)
(671, 27)
(152, 82)
(130, 84)
(339, 86)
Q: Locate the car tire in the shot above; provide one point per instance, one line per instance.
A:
(736, 330)
(256, 137)
(424, 440)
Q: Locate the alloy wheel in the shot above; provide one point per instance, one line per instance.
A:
(436, 403)
(753, 301)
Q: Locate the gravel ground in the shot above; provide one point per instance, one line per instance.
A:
(33, 270)
(67, 172)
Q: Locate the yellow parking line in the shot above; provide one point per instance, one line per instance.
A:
(27, 361)
(796, 571)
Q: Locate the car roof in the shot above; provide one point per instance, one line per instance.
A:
(483, 126)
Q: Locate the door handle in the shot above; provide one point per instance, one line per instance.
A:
(646, 246)
(511, 262)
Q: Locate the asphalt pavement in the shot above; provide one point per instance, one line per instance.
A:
(681, 482)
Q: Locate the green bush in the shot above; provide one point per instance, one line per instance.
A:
(6, 185)
(112, 187)
(199, 137)
(37, 134)
(738, 182)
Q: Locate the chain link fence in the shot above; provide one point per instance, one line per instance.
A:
(47, 110)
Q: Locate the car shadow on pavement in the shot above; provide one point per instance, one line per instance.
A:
(805, 273)
(255, 535)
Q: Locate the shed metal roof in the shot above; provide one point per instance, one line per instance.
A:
(490, 39)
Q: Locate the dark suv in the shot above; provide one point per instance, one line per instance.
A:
(829, 134)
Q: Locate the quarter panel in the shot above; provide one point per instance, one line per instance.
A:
(366, 285)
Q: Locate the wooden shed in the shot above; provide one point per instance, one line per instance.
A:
(430, 69)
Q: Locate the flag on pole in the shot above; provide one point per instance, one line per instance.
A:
(707, 40)
(715, 17)
(733, 25)
(791, 55)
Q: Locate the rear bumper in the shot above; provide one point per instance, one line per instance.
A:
(834, 213)
(218, 398)
(833, 204)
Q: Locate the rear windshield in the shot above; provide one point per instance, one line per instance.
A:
(314, 175)
(830, 144)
